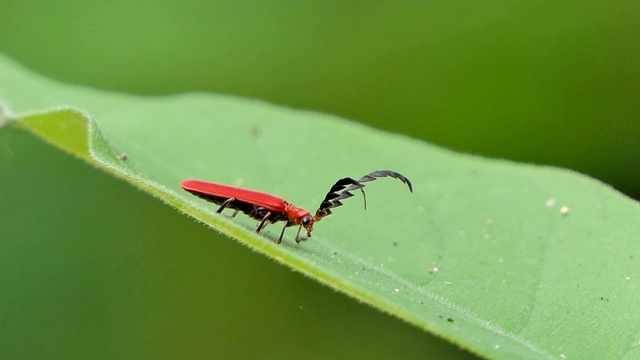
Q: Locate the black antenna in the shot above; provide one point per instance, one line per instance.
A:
(342, 190)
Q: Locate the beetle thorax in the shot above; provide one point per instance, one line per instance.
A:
(295, 213)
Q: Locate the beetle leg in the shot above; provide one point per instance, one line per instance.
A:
(264, 220)
(298, 236)
(232, 215)
(224, 205)
(286, 223)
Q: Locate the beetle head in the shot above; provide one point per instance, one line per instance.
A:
(307, 223)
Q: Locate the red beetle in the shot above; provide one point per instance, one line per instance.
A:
(269, 208)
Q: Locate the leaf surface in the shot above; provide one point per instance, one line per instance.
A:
(505, 259)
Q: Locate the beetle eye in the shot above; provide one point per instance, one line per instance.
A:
(305, 221)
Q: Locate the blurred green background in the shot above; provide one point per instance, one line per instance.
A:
(549, 82)
(100, 270)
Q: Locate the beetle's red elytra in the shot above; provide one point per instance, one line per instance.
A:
(268, 208)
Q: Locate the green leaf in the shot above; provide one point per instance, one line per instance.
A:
(504, 259)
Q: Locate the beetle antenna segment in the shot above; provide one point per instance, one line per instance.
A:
(383, 173)
(337, 193)
(340, 190)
